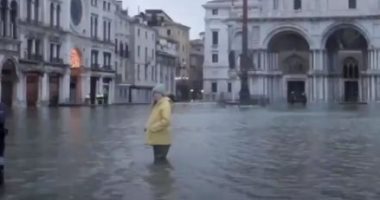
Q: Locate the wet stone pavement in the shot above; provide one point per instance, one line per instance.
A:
(282, 153)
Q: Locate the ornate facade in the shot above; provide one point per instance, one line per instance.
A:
(327, 50)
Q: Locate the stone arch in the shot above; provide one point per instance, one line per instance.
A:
(333, 28)
(9, 76)
(290, 29)
(14, 65)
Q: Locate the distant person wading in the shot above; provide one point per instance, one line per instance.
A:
(158, 125)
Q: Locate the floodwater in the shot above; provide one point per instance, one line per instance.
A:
(282, 153)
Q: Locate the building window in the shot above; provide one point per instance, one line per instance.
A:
(126, 53)
(138, 72)
(215, 11)
(297, 4)
(169, 32)
(51, 14)
(146, 54)
(229, 87)
(215, 58)
(104, 30)
(52, 52)
(38, 46)
(215, 38)
(121, 49)
(109, 32)
(214, 87)
(138, 51)
(58, 55)
(275, 4)
(104, 5)
(94, 25)
(58, 15)
(352, 4)
(109, 7)
(138, 32)
(94, 59)
(107, 60)
(29, 10)
(36, 10)
(146, 71)
(146, 35)
(14, 11)
(29, 48)
(116, 45)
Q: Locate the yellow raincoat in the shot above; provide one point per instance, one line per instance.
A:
(158, 126)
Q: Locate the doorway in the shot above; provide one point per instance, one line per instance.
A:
(351, 91)
(296, 91)
(54, 90)
(32, 83)
(8, 79)
(93, 85)
(351, 80)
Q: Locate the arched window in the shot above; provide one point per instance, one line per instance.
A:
(59, 15)
(297, 4)
(14, 13)
(51, 14)
(350, 69)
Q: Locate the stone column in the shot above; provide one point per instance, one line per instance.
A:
(100, 88)
(64, 88)
(85, 82)
(111, 92)
(376, 59)
(373, 60)
(20, 100)
(44, 88)
(370, 58)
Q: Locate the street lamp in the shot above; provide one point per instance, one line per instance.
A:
(245, 96)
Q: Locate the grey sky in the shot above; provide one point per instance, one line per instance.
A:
(187, 12)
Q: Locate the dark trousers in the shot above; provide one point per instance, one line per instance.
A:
(3, 133)
(160, 152)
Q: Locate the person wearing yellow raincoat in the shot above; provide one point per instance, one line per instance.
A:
(158, 129)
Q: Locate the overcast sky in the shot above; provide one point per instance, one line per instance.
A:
(187, 12)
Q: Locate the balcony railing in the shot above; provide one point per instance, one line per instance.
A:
(35, 57)
(56, 60)
(107, 67)
(95, 66)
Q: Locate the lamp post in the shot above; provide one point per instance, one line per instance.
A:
(244, 91)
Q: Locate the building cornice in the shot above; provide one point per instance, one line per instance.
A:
(308, 18)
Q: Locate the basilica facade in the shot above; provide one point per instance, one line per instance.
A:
(326, 50)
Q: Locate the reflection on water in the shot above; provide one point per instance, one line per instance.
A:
(320, 152)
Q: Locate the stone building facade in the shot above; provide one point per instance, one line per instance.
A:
(57, 52)
(325, 49)
(172, 30)
(143, 69)
(167, 61)
(196, 68)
